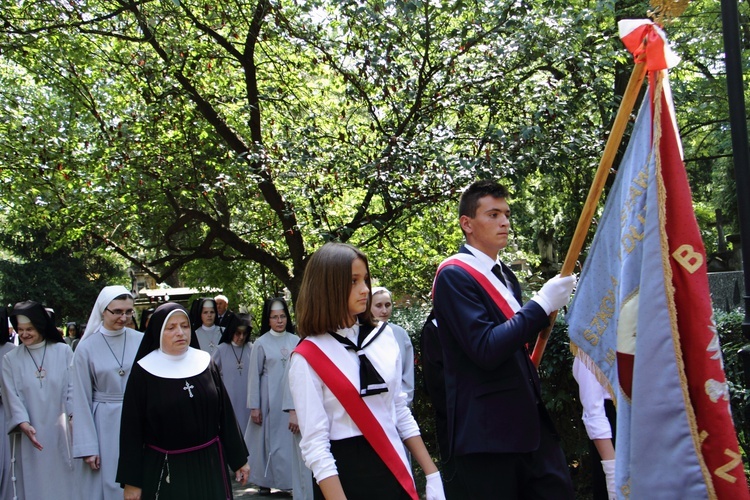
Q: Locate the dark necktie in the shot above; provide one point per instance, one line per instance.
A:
(370, 381)
(498, 271)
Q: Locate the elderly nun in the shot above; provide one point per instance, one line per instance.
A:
(178, 425)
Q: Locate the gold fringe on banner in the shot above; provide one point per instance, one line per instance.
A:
(666, 10)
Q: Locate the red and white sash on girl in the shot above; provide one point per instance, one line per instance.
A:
(349, 397)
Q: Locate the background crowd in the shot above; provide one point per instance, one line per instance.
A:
(91, 377)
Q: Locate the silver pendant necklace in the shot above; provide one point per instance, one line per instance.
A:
(40, 371)
(238, 358)
(121, 371)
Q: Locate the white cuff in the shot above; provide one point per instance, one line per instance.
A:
(545, 305)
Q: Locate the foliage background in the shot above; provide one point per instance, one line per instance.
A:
(219, 144)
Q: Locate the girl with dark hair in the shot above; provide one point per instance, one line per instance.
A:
(38, 401)
(178, 425)
(232, 358)
(267, 434)
(345, 378)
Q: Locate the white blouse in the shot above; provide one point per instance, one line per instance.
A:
(322, 418)
(592, 395)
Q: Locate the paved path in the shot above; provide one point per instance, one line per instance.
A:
(251, 491)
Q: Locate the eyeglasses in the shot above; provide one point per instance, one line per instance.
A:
(120, 312)
(277, 318)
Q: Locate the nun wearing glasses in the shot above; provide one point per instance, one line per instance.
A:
(102, 364)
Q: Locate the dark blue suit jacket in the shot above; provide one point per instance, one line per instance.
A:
(491, 386)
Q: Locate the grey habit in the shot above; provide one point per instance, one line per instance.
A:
(6, 488)
(233, 363)
(45, 403)
(270, 444)
(98, 389)
(208, 338)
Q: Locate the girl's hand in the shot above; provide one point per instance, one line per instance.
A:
(434, 490)
(255, 416)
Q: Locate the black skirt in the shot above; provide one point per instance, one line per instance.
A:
(363, 475)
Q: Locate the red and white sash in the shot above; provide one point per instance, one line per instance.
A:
(498, 292)
(360, 413)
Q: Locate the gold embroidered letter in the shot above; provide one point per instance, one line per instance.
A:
(590, 336)
(688, 258)
(630, 239)
(724, 469)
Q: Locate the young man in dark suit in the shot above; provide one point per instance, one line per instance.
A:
(500, 436)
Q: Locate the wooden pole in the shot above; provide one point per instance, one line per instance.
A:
(595, 192)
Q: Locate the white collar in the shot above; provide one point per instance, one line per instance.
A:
(111, 333)
(484, 259)
(38, 345)
(188, 364)
(482, 267)
(352, 332)
(275, 333)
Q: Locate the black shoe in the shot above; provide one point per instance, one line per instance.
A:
(264, 492)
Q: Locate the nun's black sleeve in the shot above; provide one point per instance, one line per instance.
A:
(130, 466)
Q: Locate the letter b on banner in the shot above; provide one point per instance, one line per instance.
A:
(688, 258)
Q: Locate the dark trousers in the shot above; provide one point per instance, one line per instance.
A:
(542, 474)
(363, 475)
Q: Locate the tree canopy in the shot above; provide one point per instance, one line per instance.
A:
(226, 141)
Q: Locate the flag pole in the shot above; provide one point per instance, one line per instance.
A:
(741, 154)
(595, 192)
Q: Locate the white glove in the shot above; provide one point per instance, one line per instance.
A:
(434, 490)
(609, 473)
(555, 293)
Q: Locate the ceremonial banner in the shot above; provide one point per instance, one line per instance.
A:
(642, 321)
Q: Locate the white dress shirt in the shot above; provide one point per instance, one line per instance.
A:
(322, 418)
(592, 395)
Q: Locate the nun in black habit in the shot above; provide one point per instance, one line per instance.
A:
(178, 426)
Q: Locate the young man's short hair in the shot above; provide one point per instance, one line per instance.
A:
(469, 201)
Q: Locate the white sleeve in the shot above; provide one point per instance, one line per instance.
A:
(314, 424)
(85, 438)
(407, 365)
(592, 396)
(405, 424)
(15, 410)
